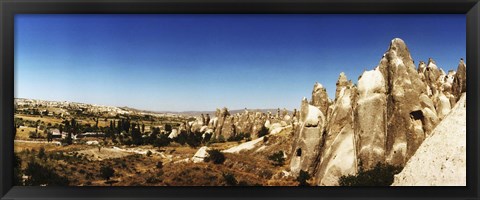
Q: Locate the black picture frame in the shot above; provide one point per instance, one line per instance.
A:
(8, 9)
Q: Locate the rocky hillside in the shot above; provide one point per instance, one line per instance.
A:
(224, 125)
(441, 159)
(383, 119)
(399, 113)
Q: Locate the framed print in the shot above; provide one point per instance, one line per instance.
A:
(222, 99)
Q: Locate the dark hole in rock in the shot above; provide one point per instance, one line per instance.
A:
(416, 115)
(299, 152)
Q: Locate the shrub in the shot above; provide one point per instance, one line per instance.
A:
(194, 139)
(215, 156)
(303, 177)
(17, 168)
(33, 134)
(181, 138)
(149, 153)
(89, 176)
(238, 137)
(153, 180)
(243, 183)
(380, 175)
(162, 141)
(221, 139)
(263, 131)
(41, 153)
(230, 179)
(207, 138)
(40, 175)
(107, 172)
(265, 139)
(159, 165)
(277, 158)
(168, 128)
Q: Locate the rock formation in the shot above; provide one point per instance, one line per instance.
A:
(338, 156)
(460, 81)
(320, 98)
(441, 159)
(308, 138)
(201, 154)
(405, 130)
(226, 125)
(370, 119)
(384, 119)
(221, 115)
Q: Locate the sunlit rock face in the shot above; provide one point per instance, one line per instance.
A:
(459, 84)
(404, 114)
(308, 138)
(342, 82)
(431, 75)
(320, 98)
(244, 122)
(441, 159)
(370, 119)
(225, 125)
(221, 116)
(429, 112)
(197, 125)
(228, 128)
(258, 123)
(338, 156)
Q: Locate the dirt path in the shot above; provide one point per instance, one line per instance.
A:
(38, 142)
(117, 152)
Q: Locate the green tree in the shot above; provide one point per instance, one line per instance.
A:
(69, 127)
(162, 141)
(194, 139)
(136, 135)
(153, 136)
(41, 153)
(181, 137)
(168, 128)
(49, 136)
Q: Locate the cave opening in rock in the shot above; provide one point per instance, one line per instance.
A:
(416, 115)
(299, 152)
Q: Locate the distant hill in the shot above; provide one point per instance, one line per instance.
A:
(135, 110)
(212, 113)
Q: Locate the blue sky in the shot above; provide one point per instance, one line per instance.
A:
(201, 62)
